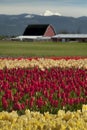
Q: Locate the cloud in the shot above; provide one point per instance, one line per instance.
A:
(73, 11)
(65, 7)
(18, 9)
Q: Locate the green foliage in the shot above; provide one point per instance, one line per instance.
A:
(2, 37)
(41, 49)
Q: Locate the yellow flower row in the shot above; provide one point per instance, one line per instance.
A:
(43, 63)
(37, 121)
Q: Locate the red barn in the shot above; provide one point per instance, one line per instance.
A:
(45, 30)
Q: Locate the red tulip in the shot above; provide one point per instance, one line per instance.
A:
(4, 103)
(40, 102)
(54, 103)
(31, 102)
(17, 106)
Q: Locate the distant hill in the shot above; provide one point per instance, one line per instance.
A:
(13, 25)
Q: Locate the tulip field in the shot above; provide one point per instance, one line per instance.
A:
(43, 93)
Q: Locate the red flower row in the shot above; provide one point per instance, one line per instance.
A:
(47, 90)
(54, 58)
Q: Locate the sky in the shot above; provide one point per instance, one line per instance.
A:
(74, 8)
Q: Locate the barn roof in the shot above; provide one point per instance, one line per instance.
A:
(35, 29)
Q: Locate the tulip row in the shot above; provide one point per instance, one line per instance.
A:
(62, 85)
(43, 63)
(38, 90)
(37, 121)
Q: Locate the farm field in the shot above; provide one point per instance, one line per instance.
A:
(41, 49)
(43, 86)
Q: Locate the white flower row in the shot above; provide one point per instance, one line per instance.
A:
(43, 63)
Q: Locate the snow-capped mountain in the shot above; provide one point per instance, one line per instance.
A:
(29, 16)
(14, 25)
(50, 13)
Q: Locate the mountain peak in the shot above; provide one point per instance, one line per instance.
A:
(50, 13)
